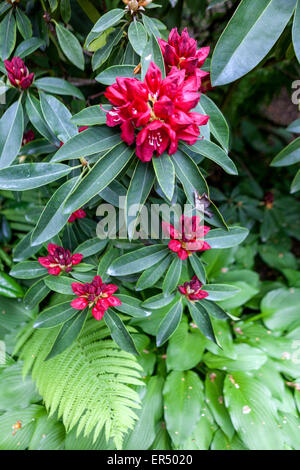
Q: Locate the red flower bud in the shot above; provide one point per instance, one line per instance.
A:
(59, 260)
(192, 290)
(18, 73)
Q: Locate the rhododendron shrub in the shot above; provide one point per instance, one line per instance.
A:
(131, 291)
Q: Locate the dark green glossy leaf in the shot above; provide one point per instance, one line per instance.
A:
(119, 333)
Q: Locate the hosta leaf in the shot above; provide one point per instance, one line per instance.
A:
(183, 399)
(118, 332)
(169, 324)
(11, 134)
(31, 175)
(249, 401)
(249, 36)
(103, 173)
(138, 260)
(70, 46)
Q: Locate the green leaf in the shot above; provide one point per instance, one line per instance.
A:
(16, 392)
(23, 250)
(91, 247)
(220, 291)
(53, 4)
(9, 287)
(70, 46)
(138, 260)
(8, 33)
(169, 324)
(139, 189)
(137, 36)
(65, 10)
(11, 134)
(249, 401)
(280, 309)
(165, 174)
(218, 238)
(151, 275)
(60, 284)
(151, 27)
(58, 117)
(31, 175)
(54, 316)
(91, 116)
(295, 126)
(251, 33)
(102, 54)
(189, 175)
(105, 261)
(108, 20)
(28, 46)
(202, 320)
(131, 306)
(28, 270)
(172, 277)
(58, 86)
(198, 267)
(183, 400)
(103, 173)
(34, 112)
(216, 154)
(296, 183)
(88, 142)
(215, 310)
(158, 301)
(185, 348)
(289, 155)
(109, 75)
(217, 122)
(68, 333)
(152, 53)
(35, 294)
(119, 333)
(24, 24)
(53, 219)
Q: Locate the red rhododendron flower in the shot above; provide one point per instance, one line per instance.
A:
(18, 73)
(80, 214)
(95, 294)
(181, 52)
(59, 260)
(192, 290)
(189, 238)
(159, 109)
(28, 136)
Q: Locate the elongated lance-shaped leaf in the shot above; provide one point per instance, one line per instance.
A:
(108, 20)
(140, 186)
(119, 332)
(202, 320)
(189, 175)
(169, 324)
(138, 260)
(58, 117)
(105, 171)
(137, 36)
(215, 153)
(34, 112)
(56, 315)
(11, 133)
(165, 174)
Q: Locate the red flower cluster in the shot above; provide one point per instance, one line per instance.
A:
(59, 260)
(80, 214)
(192, 290)
(181, 52)
(28, 136)
(159, 109)
(95, 294)
(18, 73)
(188, 238)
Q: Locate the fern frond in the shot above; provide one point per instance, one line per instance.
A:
(89, 384)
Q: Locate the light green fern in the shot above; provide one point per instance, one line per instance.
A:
(89, 384)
